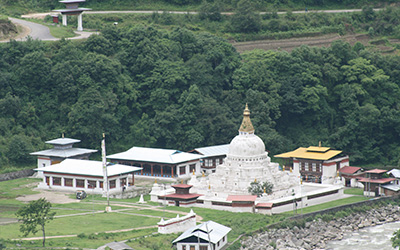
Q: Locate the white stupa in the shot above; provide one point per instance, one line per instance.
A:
(246, 162)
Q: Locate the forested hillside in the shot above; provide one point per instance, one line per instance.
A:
(177, 89)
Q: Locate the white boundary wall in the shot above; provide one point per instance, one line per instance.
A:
(178, 224)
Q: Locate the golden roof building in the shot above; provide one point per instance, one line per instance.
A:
(315, 164)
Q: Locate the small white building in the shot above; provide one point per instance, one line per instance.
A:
(62, 149)
(158, 162)
(206, 236)
(72, 175)
(212, 156)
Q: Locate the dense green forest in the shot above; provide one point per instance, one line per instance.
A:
(144, 86)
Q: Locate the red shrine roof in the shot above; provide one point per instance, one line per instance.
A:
(181, 186)
(349, 170)
(241, 197)
(377, 181)
(265, 205)
(181, 196)
(376, 171)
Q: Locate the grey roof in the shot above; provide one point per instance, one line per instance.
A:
(63, 141)
(395, 172)
(214, 150)
(215, 231)
(64, 153)
(393, 187)
(169, 156)
(87, 168)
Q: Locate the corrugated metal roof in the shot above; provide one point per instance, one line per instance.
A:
(208, 231)
(64, 153)
(213, 150)
(349, 170)
(304, 153)
(87, 167)
(377, 181)
(63, 141)
(393, 187)
(395, 172)
(376, 171)
(159, 155)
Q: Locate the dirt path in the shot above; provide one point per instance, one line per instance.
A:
(52, 196)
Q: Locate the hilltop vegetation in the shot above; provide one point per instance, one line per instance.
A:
(18, 7)
(178, 89)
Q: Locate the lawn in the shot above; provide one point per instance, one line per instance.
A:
(330, 204)
(354, 191)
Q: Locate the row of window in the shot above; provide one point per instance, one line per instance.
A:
(80, 183)
(314, 167)
(213, 162)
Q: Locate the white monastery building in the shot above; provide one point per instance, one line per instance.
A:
(212, 156)
(160, 163)
(62, 149)
(73, 174)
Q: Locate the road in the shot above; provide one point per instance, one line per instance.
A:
(41, 32)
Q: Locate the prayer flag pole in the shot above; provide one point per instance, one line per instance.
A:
(105, 175)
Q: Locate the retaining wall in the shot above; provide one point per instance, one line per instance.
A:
(16, 175)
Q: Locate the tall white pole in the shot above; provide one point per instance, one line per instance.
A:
(64, 20)
(80, 28)
(105, 175)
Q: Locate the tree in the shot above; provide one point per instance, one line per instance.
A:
(245, 20)
(258, 188)
(396, 239)
(36, 213)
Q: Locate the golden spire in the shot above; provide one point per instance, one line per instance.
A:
(246, 126)
(155, 180)
(193, 171)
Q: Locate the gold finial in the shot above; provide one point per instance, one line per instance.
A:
(193, 171)
(246, 125)
(155, 181)
(265, 190)
(182, 181)
(291, 170)
(319, 144)
(104, 136)
(255, 179)
(63, 135)
(283, 168)
(203, 174)
(209, 187)
(301, 181)
(337, 173)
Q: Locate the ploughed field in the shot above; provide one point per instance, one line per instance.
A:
(320, 41)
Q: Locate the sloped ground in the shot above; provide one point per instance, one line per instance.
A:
(320, 41)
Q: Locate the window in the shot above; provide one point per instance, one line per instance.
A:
(306, 166)
(182, 170)
(80, 183)
(68, 182)
(112, 184)
(192, 248)
(203, 247)
(183, 247)
(101, 184)
(192, 167)
(314, 167)
(92, 184)
(56, 181)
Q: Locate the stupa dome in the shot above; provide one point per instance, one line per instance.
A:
(246, 143)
